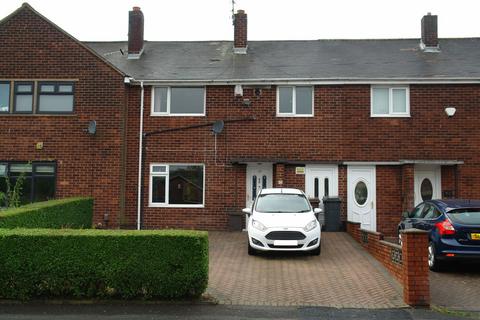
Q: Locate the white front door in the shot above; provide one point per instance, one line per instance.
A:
(361, 194)
(259, 176)
(428, 183)
(321, 181)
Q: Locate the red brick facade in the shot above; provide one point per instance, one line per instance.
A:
(106, 165)
(341, 130)
(33, 49)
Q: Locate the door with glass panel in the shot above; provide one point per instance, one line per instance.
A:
(427, 183)
(321, 181)
(361, 196)
(259, 176)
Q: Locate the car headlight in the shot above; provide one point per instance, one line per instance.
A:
(310, 226)
(258, 225)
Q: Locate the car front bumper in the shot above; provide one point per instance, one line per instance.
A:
(264, 241)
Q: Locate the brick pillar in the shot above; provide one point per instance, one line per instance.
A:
(408, 195)
(279, 176)
(416, 285)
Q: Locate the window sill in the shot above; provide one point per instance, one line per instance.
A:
(159, 205)
(38, 114)
(177, 115)
(389, 116)
(295, 115)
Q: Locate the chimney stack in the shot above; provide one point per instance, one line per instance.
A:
(135, 33)
(429, 41)
(240, 32)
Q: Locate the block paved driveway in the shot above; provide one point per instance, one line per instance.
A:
(457, 286)
(343, 276)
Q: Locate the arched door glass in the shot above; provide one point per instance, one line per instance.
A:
(426, 189)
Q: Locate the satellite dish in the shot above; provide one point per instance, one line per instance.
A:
(218, 126)
(92, 127)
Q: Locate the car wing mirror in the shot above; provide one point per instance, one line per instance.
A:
(247, 211)
(317, 210)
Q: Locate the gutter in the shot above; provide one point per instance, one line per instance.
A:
(314, 81)
(140, 160)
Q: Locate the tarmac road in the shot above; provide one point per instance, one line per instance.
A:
(136, 311)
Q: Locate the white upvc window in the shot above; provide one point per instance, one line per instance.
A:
(178, 101)
(390, 101)
(294, 101)
(177, 185)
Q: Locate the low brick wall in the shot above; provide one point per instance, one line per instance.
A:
(407, 263)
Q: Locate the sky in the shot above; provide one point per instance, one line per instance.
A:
(170, 20)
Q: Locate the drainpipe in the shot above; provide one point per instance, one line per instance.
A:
(140, 161)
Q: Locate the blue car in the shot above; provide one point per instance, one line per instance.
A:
(454, 227)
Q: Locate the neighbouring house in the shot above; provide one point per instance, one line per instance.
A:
(383, 124)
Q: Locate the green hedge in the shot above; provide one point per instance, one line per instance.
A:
(68, 263)
(64, 213)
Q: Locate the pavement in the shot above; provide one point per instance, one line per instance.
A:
(137, 311)
(343, 276)
(457, 287)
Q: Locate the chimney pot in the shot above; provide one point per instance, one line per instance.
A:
(135, 33)
(429, 33)
(240, 32)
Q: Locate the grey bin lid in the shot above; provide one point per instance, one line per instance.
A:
(331, 199)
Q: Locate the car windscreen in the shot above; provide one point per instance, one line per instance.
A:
(468, 216)
(282, 203)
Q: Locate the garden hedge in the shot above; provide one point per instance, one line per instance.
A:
(68, 263)
(64, 213)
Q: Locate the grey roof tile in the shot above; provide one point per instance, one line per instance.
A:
(313, 59)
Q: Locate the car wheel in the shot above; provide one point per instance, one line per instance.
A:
(433, 263)
(317, 251)
(251, 251)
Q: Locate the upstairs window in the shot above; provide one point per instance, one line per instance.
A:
(390, 101)
(295, 101)
(55, 97)
(23, 97)
(178, 101)
(4, 97)
(51, 97)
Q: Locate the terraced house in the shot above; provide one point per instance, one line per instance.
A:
(182, 134)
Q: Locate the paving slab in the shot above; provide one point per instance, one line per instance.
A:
(457, 286)
(343, 276)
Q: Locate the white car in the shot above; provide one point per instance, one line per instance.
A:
(282, 219)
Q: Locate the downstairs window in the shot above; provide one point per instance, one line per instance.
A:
(177, 185)
(38, 182)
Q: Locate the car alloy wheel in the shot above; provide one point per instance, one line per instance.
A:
(431, 255)
(433, 262)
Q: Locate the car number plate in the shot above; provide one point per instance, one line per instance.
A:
(285, 243)
(475, 236)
